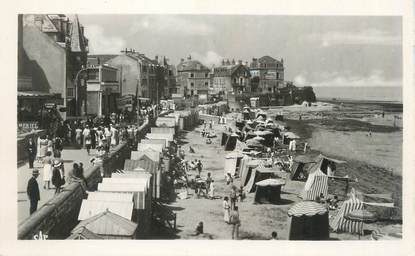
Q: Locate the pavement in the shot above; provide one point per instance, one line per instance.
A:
(70, 156)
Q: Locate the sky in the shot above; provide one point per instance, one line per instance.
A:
(317, 50)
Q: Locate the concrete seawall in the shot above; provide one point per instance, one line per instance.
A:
(59, 215)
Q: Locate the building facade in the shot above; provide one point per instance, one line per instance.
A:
(267, 74)
(193, 78)
(230, 78)
(103, 89)
(140, 76)
(53, 53)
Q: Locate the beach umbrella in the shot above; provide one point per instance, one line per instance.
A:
(253, 143)
(257, 138)
(262, 133)
(291, 135)
(361, 215)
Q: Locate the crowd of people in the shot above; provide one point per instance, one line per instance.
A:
(100, 135)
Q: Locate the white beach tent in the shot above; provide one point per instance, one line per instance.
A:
(91, 208)
(316, 184)
(340, 223)
(138, 190)
(128, 180)
(167, 130)
(163, 142)
(166, 122)
(150, 153)
(110, 196)
(231, 160)
(155, 147)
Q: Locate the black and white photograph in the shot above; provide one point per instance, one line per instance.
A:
(209, 127)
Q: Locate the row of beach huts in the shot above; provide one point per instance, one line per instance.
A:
(128, 201)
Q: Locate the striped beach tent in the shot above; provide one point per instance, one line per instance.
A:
(316, 184)
(340, 223)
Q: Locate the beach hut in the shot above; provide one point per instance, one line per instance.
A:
(169, 122)
(258, 174)
(231, 142)
(163, 130)
(82, 233)
(225, 136)
(316, 184)
(268, 191)
(164, 136)
(90, 208)
(109, 225)
(309, 221)
(232, 163)
(110, 196)
(244, 167)
(155, 147)
(162, 142)
(139, 192)
(249, 165)
(340, 223)
(150, 153)
(300, 166)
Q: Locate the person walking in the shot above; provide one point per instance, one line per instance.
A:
(236, 223)
(47, 170)
(212, 190)
(93, 137)
(226, 209)
(108, 135)
(57, 178)
(78, 136)
(49, 145)
(208, 181)
(86, 133)
(88, 142)
(33, 191)
(233, 197)
(199, 167)
(31, 151)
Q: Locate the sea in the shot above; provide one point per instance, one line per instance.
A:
(372, 93)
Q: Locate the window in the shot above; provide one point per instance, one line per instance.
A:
(192, 84)
(206, 84)
(70, 92)
(192, 75)
(206, 74)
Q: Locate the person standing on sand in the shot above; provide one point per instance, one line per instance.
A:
(226, 209)
(236, 223)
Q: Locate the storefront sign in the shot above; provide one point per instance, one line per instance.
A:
(29, 125)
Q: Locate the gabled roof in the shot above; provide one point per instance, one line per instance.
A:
(191, 65)
(103, 58)
(82, 233)
(267, 59)
(229, 70)
(109, 224)
(78, 43)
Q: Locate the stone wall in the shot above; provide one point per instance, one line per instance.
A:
(59, 215)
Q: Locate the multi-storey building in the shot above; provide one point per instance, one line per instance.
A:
(230, 78)
(267, 74)
(139, 75)
(103, 89)
(52, 55)
(193, 78)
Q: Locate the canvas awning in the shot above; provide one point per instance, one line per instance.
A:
(307, 208)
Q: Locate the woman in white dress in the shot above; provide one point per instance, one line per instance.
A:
(38, 157)
(47, 169)
(226, 209)
(98, 137)
(50, 144)
(211, 190)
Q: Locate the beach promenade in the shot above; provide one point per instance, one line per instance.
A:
(70, 156)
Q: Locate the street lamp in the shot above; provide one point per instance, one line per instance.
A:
(77, 89)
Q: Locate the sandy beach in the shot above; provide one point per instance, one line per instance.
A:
(371, 164)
